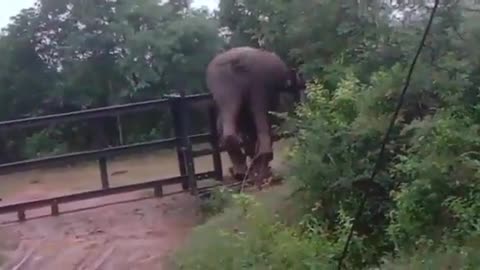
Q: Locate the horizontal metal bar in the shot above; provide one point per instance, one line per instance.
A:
(93, 113)
(106, 153)
(99, 193)
(192, 98)
(209, 151)
(202, 152)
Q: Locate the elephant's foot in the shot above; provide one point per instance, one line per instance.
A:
(260, 170)
(231, 142)
(237, 176)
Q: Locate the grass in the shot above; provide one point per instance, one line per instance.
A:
(252, 233)
(453, 258)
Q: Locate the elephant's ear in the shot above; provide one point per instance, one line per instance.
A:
(300, 81)
(289, 83)
(291, 79)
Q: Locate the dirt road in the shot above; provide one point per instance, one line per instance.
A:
(136, 234)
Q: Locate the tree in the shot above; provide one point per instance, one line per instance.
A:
(91, 53)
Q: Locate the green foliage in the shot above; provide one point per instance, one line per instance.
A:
(67, 55)
(215, 204)
(61, 56)
(451, 257)
(249, 236)
(422, 210)
(429, 190)
(426, 191)
(44, 143)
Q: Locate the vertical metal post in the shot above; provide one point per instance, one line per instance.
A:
(120, 129)
(54, 208)
(214, 142)
(158, 191)
(21, 215)
(177, 127)
(186, 143)
(102, 163)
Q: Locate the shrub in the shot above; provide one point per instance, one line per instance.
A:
(427, 193)
(452, 257)
(249, 236)
(44, 143)
(218, 200)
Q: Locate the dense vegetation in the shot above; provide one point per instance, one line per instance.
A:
(62, 56)
(423, 211)
(67, 55)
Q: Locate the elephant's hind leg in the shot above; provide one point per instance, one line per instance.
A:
(239, 162)
(229, 110)
(248, 131)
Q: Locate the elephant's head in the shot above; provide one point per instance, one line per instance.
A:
(296, 85)
(292, 92)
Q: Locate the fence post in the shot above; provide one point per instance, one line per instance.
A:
(180, 109)
(214, 142)
(102, 163)
(174, 109)
(21, 215)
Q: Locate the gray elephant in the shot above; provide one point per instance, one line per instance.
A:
(245, 83)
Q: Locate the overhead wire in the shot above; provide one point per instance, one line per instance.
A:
(380, 159)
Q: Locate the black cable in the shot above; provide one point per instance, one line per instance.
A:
(387, 135)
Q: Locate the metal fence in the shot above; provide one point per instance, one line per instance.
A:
(182, 141)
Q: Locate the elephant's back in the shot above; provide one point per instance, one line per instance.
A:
(246, 65)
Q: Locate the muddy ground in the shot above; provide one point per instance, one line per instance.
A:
(127, 231)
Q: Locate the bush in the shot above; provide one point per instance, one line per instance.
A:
(422, 209)
(453, 257)
(414, 204)
(215, 204)
(44, 143)
(249, 236)
(427, 193)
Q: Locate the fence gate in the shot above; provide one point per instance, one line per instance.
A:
(182, 141)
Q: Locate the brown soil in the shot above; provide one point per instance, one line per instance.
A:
(136, 235)
(118, 232)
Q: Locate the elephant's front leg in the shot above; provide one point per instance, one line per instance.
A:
(239, 162)
(264, 146)
(249, 134)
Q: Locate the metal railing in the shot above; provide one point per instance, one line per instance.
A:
(182, 142)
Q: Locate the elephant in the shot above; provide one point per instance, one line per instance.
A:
(245, 84)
